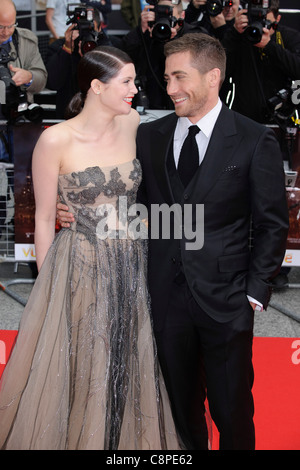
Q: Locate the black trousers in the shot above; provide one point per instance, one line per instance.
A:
(199, 355)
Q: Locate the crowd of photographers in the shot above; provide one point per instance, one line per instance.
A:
(263, 57)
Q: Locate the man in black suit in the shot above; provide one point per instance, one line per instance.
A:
(203, 299)
(204, 290)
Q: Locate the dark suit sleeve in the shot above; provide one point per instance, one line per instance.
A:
(269, 216)
(142, 191)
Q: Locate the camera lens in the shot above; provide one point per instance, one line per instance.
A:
(214, 7)
(161, 30)
(254, 32)
(87, 46)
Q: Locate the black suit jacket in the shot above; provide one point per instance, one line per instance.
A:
(240, 179)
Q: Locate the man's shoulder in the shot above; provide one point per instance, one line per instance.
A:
(243, 123)
(52, 3)
(160, 122)
(26, 34)
(287, 30)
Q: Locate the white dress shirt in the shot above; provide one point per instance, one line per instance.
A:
(206, 126)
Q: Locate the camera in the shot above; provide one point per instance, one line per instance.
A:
(281, 105)
(215, 7)
(257, 16)
(83, 17)
(164, 21)
(13, 99)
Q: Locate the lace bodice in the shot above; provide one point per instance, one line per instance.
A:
(93, 196)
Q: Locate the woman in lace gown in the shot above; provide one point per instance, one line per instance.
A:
(84, 372)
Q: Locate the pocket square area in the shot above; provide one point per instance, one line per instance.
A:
(230, 168)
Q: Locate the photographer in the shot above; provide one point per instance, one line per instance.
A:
(20, 46)
(56, 17)
(56, 14)
(22, 73)
(214, 16)
(63, 57)
(145, 45)
(261, 69)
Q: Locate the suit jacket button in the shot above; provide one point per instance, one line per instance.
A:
(174, 260)
(185, 196)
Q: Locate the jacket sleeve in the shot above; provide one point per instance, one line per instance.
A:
(31, 60)
(59, 65)
(270, 218)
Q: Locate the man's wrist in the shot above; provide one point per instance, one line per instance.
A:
(67, 49)
(30, 82)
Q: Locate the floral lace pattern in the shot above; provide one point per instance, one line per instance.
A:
(94, 187)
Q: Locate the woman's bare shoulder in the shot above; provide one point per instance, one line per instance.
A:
(56, 135)
(135, 117)
(131, 120)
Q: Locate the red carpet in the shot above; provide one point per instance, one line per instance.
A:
(276, 390)
(276, 394)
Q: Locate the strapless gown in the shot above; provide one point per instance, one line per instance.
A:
(84, 373)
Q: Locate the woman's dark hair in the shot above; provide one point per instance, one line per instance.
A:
(102, 63)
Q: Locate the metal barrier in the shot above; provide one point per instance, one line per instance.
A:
(7, 228)
(7, 210)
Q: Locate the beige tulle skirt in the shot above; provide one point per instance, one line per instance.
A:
(84, 372)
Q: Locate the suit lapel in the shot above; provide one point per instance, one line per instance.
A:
(161, 140)
(223, 141)
(220, 150)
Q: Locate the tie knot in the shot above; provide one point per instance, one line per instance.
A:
(193, 130)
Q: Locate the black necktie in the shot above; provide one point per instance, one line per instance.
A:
(189, 156)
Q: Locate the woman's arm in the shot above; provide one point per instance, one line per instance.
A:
(45, 171)
(49, 22)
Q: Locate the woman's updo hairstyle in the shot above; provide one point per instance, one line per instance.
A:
(102, 63)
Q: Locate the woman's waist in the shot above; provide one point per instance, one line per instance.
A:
(100, 231)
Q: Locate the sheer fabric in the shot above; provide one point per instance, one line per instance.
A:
(84, 372)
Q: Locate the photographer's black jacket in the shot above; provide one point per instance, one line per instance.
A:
(62, 72)
(192, 14)
(258, 74)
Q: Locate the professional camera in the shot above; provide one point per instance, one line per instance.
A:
(83, 17)
(164, 20)
(13, 99)
(215, 7)
(281, 105)
(257, 16)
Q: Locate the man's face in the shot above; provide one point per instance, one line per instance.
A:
(8, 20)
(186, 86)
(230, 12)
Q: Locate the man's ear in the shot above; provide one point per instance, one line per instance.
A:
(214, 76)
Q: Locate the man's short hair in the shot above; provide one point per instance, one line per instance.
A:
(274, 7)
(207, 52)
